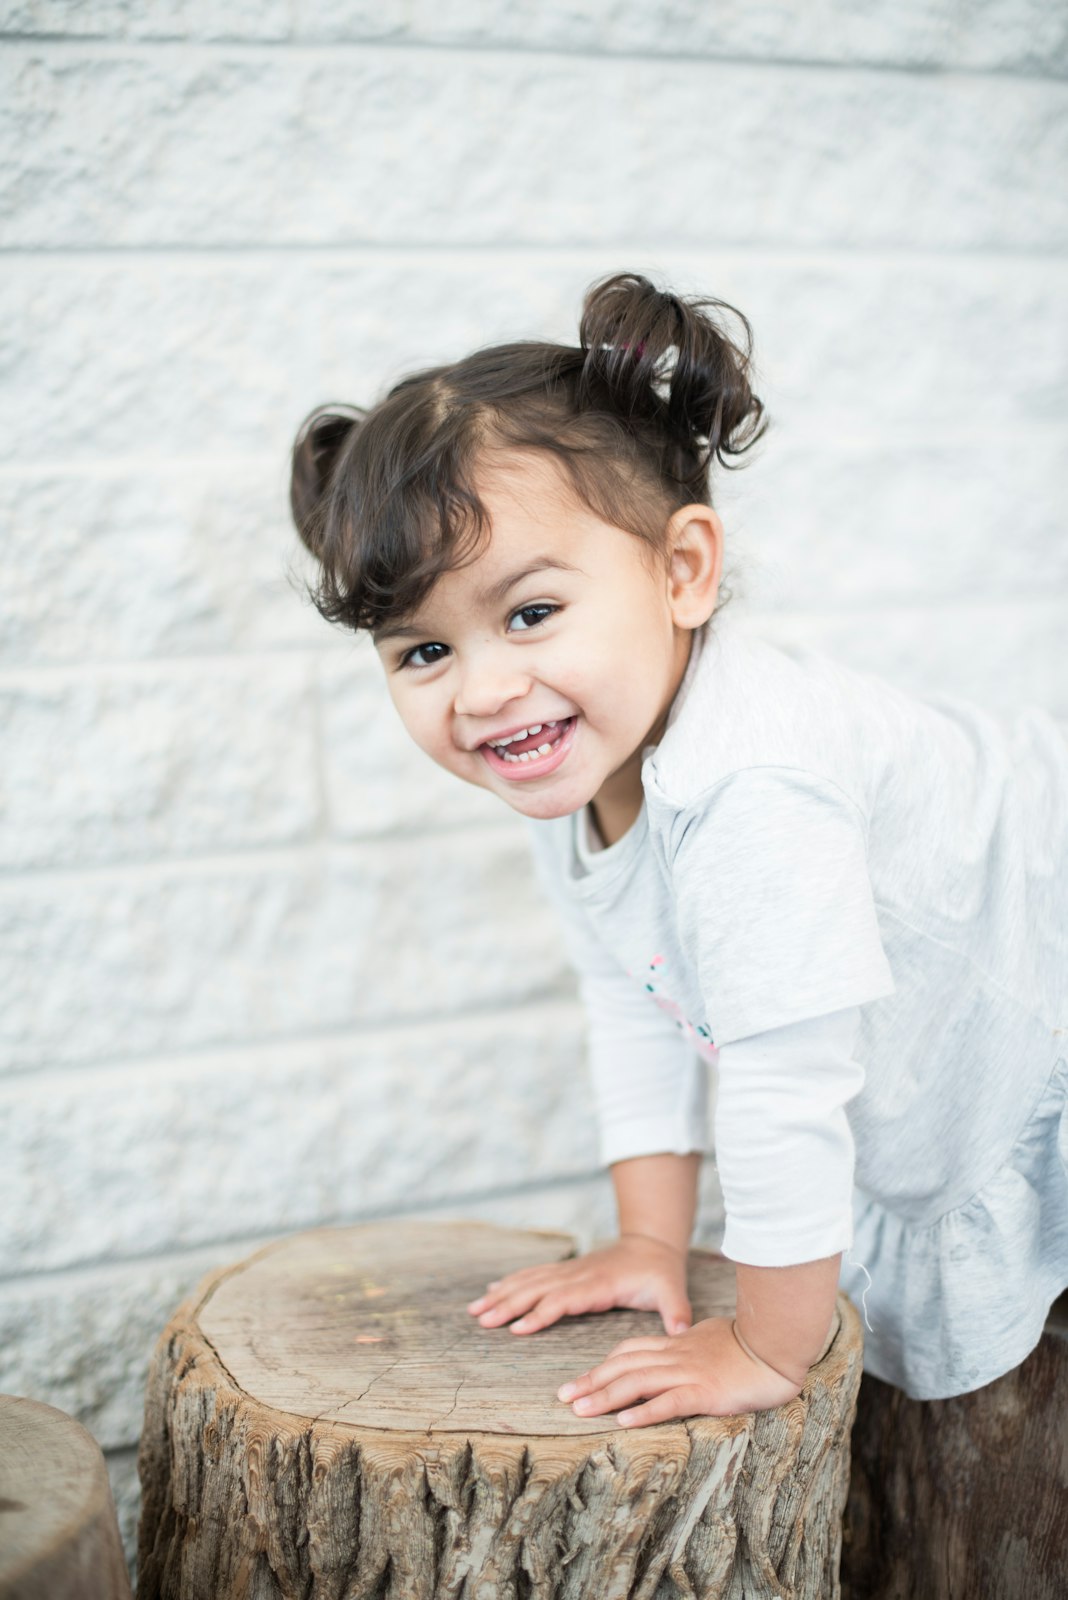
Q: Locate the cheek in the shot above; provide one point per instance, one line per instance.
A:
(415, 713)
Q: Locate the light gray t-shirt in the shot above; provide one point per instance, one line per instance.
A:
(816, 845)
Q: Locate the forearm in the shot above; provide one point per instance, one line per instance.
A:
(657, 1196)
(785, 1314)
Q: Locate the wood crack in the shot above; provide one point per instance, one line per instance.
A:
(440, 1421)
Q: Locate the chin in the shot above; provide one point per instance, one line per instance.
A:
(544, 807)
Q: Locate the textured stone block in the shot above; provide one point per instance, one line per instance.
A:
(230, 146)
(950, 349)
(220, 381)
(1014, 35)
(116, 965)
(150, 558)
(843, 344)
(169, 21)
(377, 780)
(832, 522)
(82, 1341)
(1003, 656)
(150, 1157)
(111, 766)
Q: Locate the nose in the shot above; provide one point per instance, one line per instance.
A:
(490, 679)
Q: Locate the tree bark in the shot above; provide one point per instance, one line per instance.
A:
(963, 1498)
(325, 1421)
(59, 1538)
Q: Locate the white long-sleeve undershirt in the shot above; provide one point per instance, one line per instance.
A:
(783, 1144)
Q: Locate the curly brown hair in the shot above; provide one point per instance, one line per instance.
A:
(656, 390)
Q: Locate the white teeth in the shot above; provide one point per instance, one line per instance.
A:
(501, 745)
(527, 755)
(524, 733)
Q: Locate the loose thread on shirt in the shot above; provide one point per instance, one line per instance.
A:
(864, 1291)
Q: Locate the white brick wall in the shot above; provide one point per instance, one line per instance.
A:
(261, 969)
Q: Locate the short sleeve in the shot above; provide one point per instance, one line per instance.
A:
(775, 905)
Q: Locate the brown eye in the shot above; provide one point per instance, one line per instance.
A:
(424, 655)
(528, 617)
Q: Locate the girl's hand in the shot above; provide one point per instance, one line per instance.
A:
(636, 1271)
(703, 1372)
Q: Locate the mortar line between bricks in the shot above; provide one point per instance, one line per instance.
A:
(423, 251)
(107, 466)
(148, 668)
(251, 1053)
(104, 46)
(248, 1242)
(254, 858)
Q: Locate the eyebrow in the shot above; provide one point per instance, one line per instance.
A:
(498, 591)
(492, 595)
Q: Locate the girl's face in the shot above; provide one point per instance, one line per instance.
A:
(542, 669)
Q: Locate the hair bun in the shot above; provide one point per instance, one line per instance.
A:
(653, 354)
(320, 440)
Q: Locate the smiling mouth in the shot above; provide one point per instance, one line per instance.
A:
(536, 740)
(530, 751)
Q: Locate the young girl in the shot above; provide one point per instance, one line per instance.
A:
(853, 902)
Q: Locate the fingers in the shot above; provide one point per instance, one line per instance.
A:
(539, 1296)
(684, 1401)
(617, 1361)
(506, 1308)
(626, 1346)
(510, 1297)
(676, 1313)
(638, 1383)
(549, 1310)
(507, 1285)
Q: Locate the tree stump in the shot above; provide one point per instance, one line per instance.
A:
(59, 1538)
(965, 1497)
(326, 1421)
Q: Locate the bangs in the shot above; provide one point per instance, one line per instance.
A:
(400, 511)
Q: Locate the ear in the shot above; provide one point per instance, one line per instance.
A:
(695, 564)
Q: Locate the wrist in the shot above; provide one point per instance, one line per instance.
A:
(656, 1197)
(789, 1376)
(786, 1315)
(644, 1236)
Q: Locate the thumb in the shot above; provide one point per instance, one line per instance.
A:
(675, 1310)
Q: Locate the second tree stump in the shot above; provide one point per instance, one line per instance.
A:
(325, 1420)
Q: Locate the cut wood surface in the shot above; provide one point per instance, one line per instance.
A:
(368, 1326)
(326, 1420)
(59, 1538)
